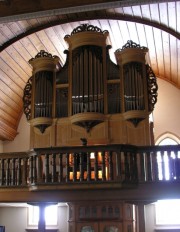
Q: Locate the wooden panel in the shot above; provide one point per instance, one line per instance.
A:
(9, 110)
(132, 28)
(159, 51)
(7, 132)
(7, 71)
(178, 71)
(10, 101)
(37, 43)
(11, 84)
(174, 61)
(26, 42)
(163, 13)
(152, 49)
(124, 31)
(166, 55)
(154, 11)
(17, 67)
(47, 41)
(6, 118)
(58, 48)
(146, 11)
(11, 94)
(16, 56)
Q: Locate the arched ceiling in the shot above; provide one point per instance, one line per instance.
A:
(22, 36)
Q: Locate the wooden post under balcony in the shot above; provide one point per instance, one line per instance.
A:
(42, 222)
(141, 217)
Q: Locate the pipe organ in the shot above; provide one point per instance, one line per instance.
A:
(90, 96)
(43, 81)
(135, 104)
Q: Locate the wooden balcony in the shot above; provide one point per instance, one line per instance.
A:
(91, 172)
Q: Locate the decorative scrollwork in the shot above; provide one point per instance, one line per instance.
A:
(43, 53)
(27, 99)
(131, 44)
(86, 27)
(152, 87)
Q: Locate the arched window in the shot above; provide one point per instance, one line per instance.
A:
(167, 161)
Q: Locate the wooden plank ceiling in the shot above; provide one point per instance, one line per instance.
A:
(154, 25)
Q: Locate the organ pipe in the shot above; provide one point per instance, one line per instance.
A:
(134, 86)
(43, 91)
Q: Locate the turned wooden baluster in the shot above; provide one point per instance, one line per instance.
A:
(31, 169)
(96, 167)
(163, 165)
(88, 167)
(149, 167)
(40, 170)
(126, 167)
(131, 169)
(35, 168)
(118, 165)
(81, 166)
(111, 166)
(170, 164)
(19, 178)
(60, 176)
(75, 167)
(103, 167)
(25, 171)
(155, 172)
(46, 168)
(2, 171)
(134, 174)
(177, 166)
(142, 167)
(67, 167)
(7, 172)
(13, 177)
(53, 168)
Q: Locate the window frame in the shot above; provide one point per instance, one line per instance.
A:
(32, 222)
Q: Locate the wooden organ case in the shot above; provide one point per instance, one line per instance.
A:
(90, 96)
(102, 217)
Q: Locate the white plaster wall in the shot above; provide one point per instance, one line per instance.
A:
(167, 110)
(15, 219)
(63, 218)
(150, 218)
(22, 140)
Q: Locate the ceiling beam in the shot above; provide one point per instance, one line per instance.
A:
(22, 10)
(108, 17)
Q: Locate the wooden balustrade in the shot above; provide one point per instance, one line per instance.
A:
(90, 164)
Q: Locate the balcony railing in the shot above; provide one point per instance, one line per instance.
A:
(104, 164)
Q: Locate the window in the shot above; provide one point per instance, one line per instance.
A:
(50, 215)
(165, 160)
(167, 212)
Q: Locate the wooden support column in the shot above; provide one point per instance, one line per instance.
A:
(141, 217)
(42, 222)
